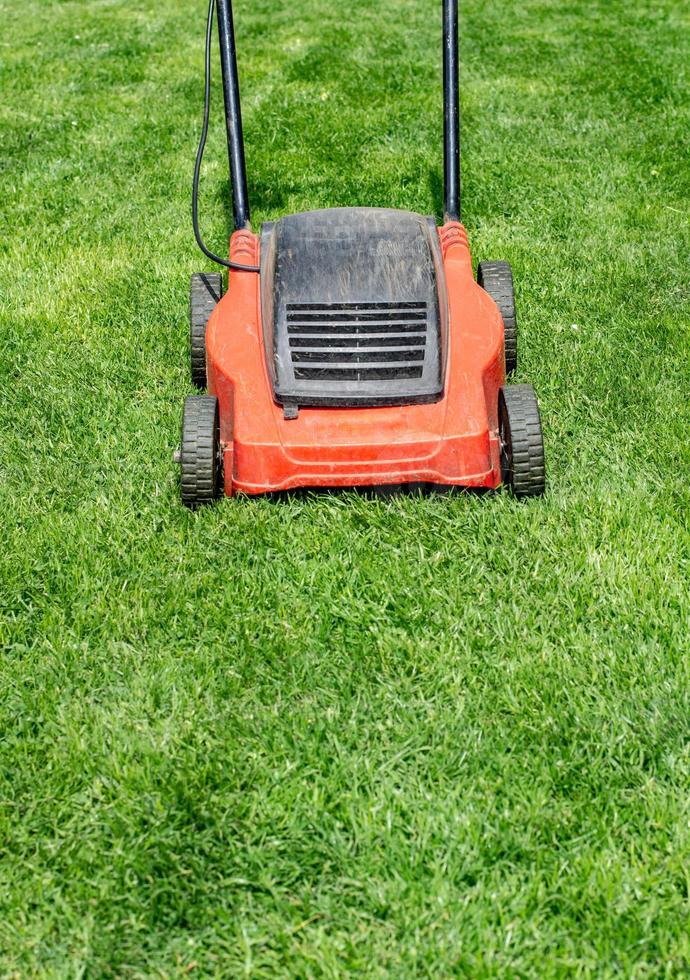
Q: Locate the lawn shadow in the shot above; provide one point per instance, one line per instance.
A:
(383, 492)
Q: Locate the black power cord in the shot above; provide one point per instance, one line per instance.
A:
(200, 156)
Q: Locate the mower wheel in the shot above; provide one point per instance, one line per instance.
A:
(200, 454)
(522, 444)
(205, 291)
(497, 279)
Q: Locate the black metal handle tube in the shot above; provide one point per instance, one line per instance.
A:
(233, 113)
(451, 112)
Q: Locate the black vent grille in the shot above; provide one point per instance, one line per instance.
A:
(357, 341)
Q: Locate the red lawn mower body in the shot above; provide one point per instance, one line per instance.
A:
(453, 441)
(353, 347)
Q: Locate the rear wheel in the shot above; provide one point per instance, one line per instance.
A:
(497, 279)
(205, 291)
(522, 444)
(200, 457)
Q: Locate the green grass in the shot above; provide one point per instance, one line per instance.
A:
(337, 736)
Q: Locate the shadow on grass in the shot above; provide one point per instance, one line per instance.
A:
(383, 492)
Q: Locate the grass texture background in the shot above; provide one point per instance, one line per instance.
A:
(330, 736)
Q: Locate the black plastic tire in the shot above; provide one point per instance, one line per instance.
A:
(522, 443)
(205, 291)
(497, 279)
(200, 455)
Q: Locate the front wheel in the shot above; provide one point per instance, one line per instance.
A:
(200, 459)
(522, 443)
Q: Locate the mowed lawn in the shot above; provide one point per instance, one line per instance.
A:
(413, 736)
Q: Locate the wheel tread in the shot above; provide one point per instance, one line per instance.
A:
(496, 277)
(521, 430)
(206, 289)
(200, 470)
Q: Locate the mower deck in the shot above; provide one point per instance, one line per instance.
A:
(450, 441)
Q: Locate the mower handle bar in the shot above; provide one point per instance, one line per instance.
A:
(233, 113)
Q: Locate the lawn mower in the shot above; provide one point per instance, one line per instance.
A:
(353, 347)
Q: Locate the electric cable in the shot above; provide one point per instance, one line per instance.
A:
(200, 155)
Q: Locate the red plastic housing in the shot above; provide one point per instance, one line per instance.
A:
(452, 442)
